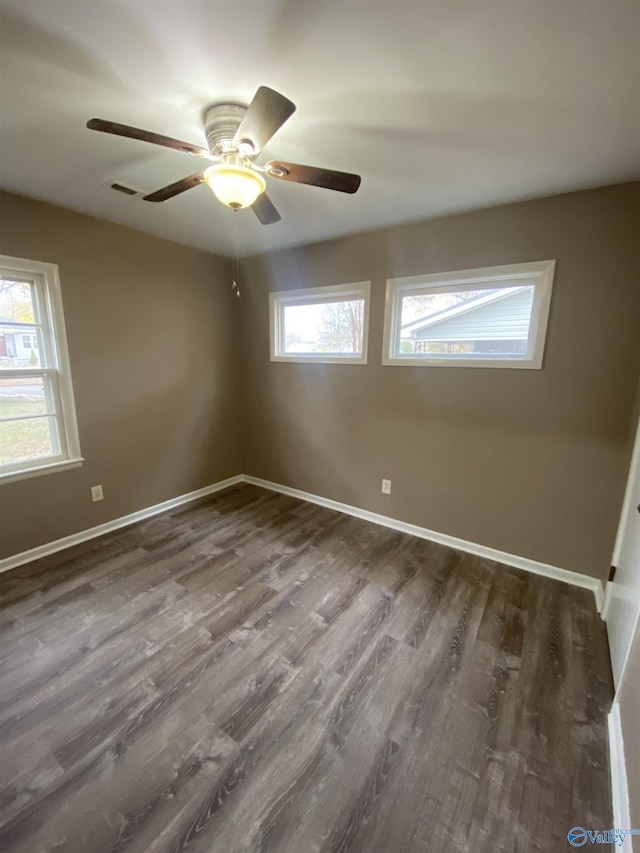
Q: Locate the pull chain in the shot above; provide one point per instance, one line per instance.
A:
(234, 261)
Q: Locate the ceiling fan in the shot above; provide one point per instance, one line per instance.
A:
(235, 136)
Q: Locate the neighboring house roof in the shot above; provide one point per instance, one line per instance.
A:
(9, 325)
(501, 315)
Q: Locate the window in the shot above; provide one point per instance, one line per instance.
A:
(38, 431)
(494, 317)
(321, 324)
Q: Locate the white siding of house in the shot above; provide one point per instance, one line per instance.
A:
(506, 320)
(15, 346)
(22, 351)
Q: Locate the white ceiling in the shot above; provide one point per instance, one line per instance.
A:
(440, 106)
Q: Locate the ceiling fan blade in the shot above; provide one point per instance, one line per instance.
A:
(265, 210)
(175, 189)
(343, 182)
(266, 114)
(145, 136)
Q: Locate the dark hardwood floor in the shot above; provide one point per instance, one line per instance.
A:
(255, 673)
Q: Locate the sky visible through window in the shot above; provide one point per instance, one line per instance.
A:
(16, 302)
(328, 327)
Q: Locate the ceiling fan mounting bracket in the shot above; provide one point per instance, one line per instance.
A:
(220, 124)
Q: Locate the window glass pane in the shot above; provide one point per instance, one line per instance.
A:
(425, 305)
(23, 397)
(37, 412)
(25, 440)
(491, 323)
(19, 341)
(329, 327)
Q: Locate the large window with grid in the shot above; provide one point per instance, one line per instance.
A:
(38, 429)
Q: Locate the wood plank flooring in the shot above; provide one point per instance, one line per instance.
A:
(255, 673)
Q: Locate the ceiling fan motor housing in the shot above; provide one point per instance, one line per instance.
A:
(220, 124)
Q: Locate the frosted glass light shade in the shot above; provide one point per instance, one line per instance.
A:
(235, 185)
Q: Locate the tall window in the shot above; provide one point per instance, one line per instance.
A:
(321, 324)
(493, 317)
(38, 429)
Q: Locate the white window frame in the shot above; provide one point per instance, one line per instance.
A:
(537, 273)
(281, 299)
(55, 369)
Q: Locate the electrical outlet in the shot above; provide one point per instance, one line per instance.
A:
(96, 493)
(386, 487)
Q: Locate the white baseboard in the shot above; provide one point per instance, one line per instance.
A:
(619, 789)
(517, 562)
(124, 521)
(536, 568)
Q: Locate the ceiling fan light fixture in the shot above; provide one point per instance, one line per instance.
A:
(234, 184)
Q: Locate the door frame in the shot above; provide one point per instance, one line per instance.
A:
(625, 515)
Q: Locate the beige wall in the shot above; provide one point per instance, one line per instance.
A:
(152, 332)
(529, 462)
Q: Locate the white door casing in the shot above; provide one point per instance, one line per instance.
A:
(622, 604)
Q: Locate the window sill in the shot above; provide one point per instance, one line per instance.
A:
(36, 471)
(510, 364)
(324, 359)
